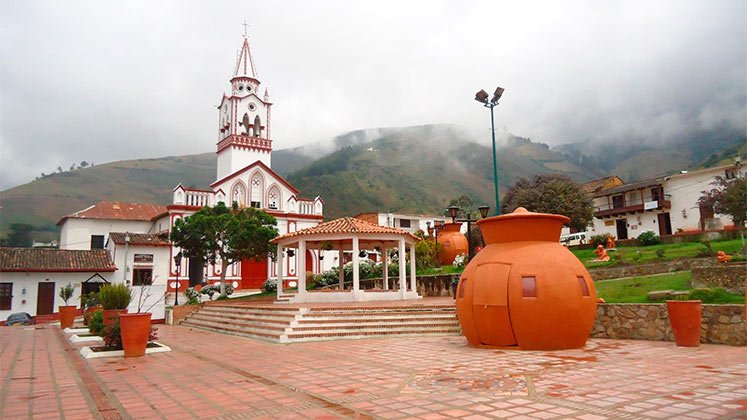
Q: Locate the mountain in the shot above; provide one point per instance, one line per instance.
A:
(413, 169)
(635, 160)
(419, 169)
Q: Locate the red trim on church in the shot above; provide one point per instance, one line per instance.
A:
(263, 166)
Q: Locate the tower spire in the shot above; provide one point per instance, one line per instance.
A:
(245, 62)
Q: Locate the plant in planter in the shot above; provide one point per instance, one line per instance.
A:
(136, 329)
(67, 312)
(96, 322)
(90, 304)
(114, 298)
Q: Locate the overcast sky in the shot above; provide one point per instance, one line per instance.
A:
(103, 81)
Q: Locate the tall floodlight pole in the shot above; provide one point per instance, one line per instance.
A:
(482, 97)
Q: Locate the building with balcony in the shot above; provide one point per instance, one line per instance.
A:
(664, 205)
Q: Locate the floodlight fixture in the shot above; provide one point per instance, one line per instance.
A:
(481, 96)
(497, 95)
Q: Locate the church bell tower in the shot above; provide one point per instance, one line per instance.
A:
(243, 119)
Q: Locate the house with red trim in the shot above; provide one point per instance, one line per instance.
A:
(30, 278)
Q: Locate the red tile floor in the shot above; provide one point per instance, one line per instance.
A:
(209, 375)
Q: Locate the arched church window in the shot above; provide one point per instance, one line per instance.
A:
(257, 189)
(273, 198)
(246, 124)
(238, 195)
(257, 127)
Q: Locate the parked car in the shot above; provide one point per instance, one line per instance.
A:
(20, 318)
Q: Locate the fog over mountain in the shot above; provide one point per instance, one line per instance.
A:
(105, 81)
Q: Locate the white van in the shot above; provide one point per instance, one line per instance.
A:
(571, 239)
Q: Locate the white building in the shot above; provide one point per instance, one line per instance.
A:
(411, 223)
(664, 205)
(31, 278)
(244, 176)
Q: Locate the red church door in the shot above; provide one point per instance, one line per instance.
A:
(253, 273)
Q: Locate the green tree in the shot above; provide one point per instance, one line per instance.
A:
(466, 207)
(729, 196)
(551, 194)
(19, 235)
(225, 235)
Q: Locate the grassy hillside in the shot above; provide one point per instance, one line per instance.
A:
(418, 170)
(41, 203)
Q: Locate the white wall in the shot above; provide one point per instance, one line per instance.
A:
(27, 302)
(160, 266)
(76, 233)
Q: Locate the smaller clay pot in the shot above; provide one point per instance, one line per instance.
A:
(135, 330)
(110, 315)
(685, 316)
(67, 316)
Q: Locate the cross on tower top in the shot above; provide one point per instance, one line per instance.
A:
(246, 26)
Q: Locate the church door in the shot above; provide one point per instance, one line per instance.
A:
(253, 273)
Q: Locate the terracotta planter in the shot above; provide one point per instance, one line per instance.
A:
(451, 242)
(110, 315)
(67, 316)
(135, 331)
(525, 289)
(685, 316)
(88, 313)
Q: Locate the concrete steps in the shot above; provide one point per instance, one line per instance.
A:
(287, 325)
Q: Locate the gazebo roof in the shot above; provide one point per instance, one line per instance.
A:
(345, 225)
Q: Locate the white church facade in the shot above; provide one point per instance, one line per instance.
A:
(244, 176)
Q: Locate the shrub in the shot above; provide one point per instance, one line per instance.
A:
(115, 296)
(212, 289)
(270, 285)
(96, 324)
(112, 335)
(66, 292)
(459, 260)
(648, 237)
(193, 296)
(717, 295)
(90, 300)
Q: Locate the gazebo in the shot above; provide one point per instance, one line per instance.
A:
(349, 234)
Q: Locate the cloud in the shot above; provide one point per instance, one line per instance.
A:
(103, 81)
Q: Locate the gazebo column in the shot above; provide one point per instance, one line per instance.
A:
(280, 270)
(356, 262)
(341, 266)
(412, 268)
(385, 261)
(301, 266)
(402, 264)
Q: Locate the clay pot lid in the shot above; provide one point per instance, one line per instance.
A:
(522, 213)
(522, 225)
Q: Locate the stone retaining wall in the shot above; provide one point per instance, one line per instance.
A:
(178, 313)
(721, 324)
(648, 269)
(731, 277)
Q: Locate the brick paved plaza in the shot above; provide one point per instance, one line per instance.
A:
(210, 375)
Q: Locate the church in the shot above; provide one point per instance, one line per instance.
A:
(136, 234)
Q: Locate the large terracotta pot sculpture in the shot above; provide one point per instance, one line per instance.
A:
(451, 242)
(525, 289)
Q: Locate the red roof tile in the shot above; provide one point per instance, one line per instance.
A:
(345, 225)
(140, 239)
(118, 210)
(54, 260)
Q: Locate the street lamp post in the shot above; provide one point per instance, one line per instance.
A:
(178, 264)
(454, 210)
(482, 97)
